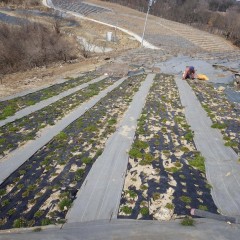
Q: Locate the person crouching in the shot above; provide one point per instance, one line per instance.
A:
(189, 73)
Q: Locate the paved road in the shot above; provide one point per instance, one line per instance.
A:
(222, 166)
(100, 194)
(17, 157)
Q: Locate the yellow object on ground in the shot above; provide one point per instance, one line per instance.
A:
(202, 77)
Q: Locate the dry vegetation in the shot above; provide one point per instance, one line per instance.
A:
(30, 45)
(217, 16)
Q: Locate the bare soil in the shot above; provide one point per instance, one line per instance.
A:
(42, 76)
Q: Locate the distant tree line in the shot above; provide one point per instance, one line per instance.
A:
(217, 16)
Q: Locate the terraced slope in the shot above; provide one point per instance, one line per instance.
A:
(80, 7)
(168, 35)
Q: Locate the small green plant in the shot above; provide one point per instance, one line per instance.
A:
(189, 136)
(138, 144)
(11, 211)
(38, 214)
(2, 192)
(198, 162)
(131, 193)
(170, 206)
(61, 136)
(91, 128)
(184, 149)
(79, 174)
(127, 210)
(98, 153)
(86, 160)
(7, 111)
(143, 187)
(208, 186)
(112, 121)
(5, 202)
(178, 164)
(182, 176)
(219, 125)
(144, 211)
(203, 207)
(172, 169)
(19, 223)
(135, 153)
(65, 203)
(22, 172)
(2, 140)
(231, 144)
(156, 196)
(147, 159)
(185, 199)
(25, 194)
(45, 221)
(187, 221)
